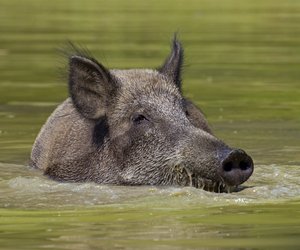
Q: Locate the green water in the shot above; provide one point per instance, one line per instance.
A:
(242, 68)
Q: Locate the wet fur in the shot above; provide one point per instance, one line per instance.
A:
(92, 135)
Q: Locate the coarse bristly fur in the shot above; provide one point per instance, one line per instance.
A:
(134, 127)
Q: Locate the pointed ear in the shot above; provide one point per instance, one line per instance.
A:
(91, 86)
(173, 64)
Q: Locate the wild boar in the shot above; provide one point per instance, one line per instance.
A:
(134, 127)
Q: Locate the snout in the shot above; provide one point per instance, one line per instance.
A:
(236, 167)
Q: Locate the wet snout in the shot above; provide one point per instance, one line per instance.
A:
(236, 167)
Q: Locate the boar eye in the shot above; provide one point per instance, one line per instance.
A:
(187, 113)
(138, 118)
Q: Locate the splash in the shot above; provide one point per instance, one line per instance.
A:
(21, 187)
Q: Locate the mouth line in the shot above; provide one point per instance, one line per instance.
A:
(206, 184)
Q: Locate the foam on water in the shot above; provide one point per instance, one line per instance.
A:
(25, 188)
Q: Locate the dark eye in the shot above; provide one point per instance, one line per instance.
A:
(138, 118)
(187, 113)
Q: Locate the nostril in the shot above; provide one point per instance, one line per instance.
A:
(244, 165)
(227, 167)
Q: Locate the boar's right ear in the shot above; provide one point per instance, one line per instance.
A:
(91, 86)
(173, 65)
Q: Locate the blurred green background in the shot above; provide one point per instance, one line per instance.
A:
(241, 64)
(242, 61)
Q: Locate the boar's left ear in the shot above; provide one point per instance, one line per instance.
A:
(173, 64)
(91, 86)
